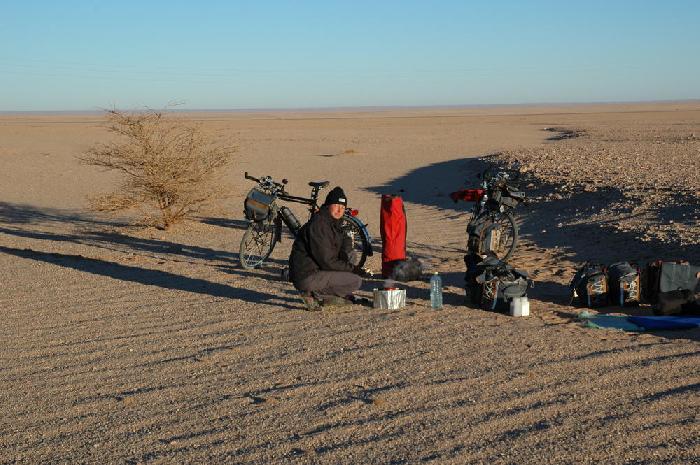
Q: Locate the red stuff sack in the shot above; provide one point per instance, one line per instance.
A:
(392, 223)
(467, 195)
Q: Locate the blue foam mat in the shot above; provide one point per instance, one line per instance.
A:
(666, 322)
(639, 323)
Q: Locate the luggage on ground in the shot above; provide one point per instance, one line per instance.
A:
(666, 276)
(676, 302)
(483, 236)
(492, 284)
(393, 227)
(410, 269)
(589, 288)
(624, 285)
(670, 287)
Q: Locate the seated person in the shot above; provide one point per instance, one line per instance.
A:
(318, 265)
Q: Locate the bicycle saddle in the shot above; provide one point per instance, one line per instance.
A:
(318, 184)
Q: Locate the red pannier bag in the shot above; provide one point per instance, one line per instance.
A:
(392, 223)
(467, 195)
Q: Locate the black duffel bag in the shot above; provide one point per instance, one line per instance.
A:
(492, 284)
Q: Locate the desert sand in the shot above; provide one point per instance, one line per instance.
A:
(125, 344)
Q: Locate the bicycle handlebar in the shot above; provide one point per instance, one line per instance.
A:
(252, 178)
(266, 180)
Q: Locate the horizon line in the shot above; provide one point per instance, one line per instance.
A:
(353, 108)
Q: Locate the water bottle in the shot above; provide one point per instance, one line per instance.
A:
(436, 291)
(289, 219)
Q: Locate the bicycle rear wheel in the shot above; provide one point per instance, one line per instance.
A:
(356, 243)
(257, 244)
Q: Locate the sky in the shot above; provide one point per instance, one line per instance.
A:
(90, 55)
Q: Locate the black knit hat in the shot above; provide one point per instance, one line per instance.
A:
(336, 195)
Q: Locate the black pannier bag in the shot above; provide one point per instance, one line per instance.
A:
(665, 276)
(472, 262)
(675, 302)
(410, 269)
(670, 287)
(257, 205)
(492, 284)
(624, 284)
(589, 288)
(483, 236)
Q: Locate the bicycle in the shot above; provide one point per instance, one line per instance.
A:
(492, 227)
(265, 220)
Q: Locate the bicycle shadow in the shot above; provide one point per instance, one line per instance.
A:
(225, 222)
(119, 242)
(557, 221)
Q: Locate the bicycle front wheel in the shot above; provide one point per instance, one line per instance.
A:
(508, 234)
(257, 244)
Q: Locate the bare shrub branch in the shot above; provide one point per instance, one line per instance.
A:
(168, 165)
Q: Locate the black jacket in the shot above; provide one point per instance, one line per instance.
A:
(319, 246)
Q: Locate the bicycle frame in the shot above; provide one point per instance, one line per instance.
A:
(483, 203)
(279, 213)
(495, 199)
(312, 202)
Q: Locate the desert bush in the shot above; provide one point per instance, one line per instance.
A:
(168, 166)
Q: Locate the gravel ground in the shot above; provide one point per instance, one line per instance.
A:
(130, 345)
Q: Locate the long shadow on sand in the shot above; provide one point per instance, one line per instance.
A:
(556, 223)
(33, 223)
(21, 214)
(560, 223)
(14, 220)
(149, 277)
(541, 221)
(549, 224)
(225, 222)
(430, 185)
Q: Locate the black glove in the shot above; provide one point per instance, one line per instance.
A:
(361, 271)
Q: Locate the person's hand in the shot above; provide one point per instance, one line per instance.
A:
(364, 272)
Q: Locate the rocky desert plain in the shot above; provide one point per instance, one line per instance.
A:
(129, 344)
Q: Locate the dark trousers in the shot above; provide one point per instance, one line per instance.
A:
(328, 283)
